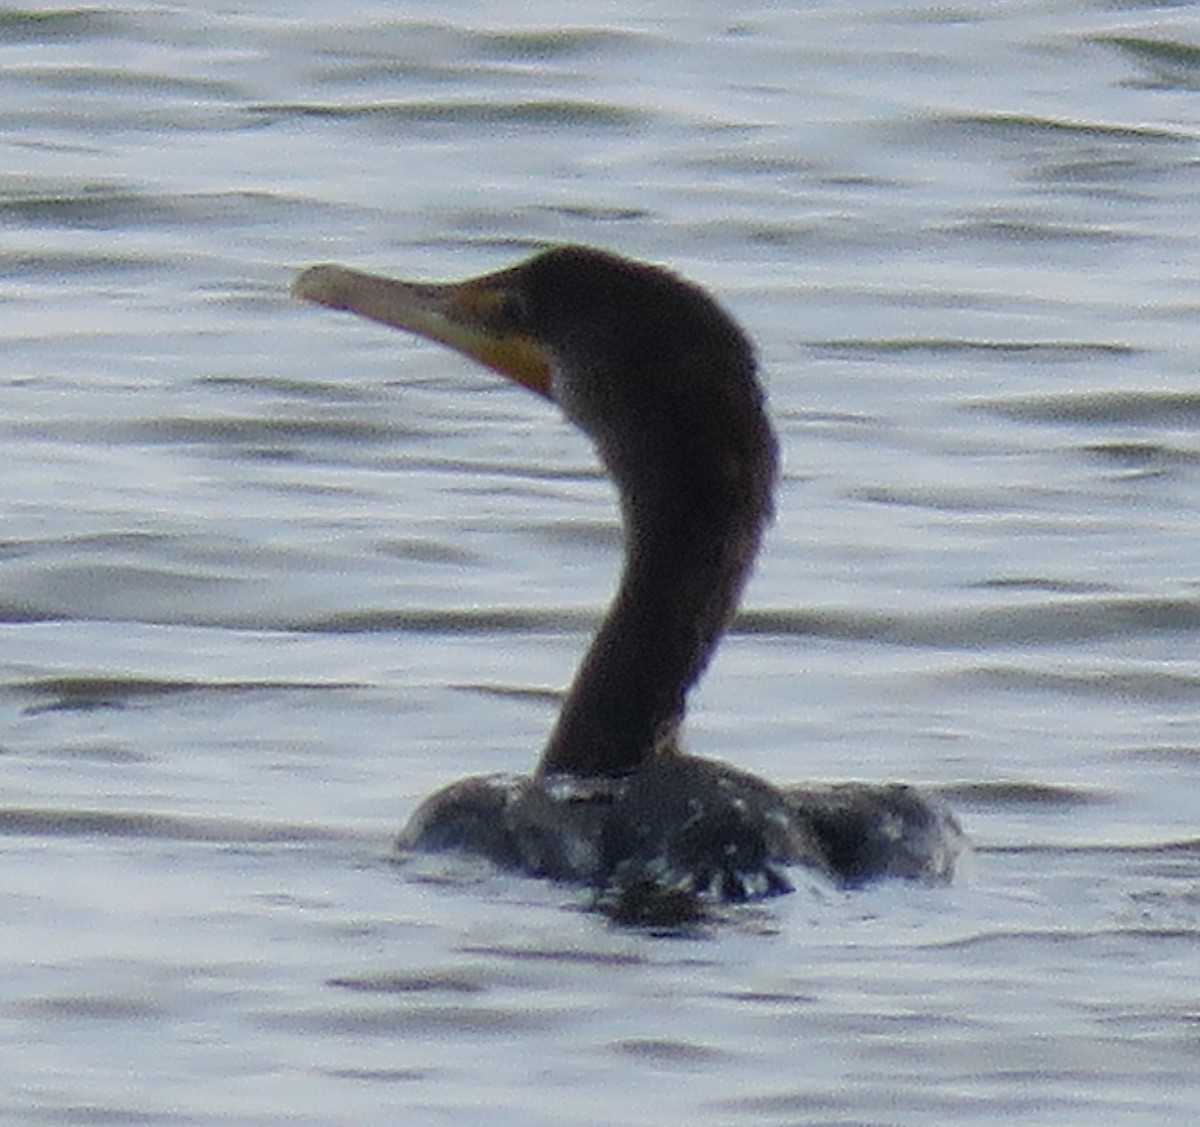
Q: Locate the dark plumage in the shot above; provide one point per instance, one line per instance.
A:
(663, 381)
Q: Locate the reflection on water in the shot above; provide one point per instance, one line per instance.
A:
(268, 577)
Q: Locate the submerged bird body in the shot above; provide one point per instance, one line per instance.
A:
(663, 382)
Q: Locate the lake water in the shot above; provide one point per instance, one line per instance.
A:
(269, 575)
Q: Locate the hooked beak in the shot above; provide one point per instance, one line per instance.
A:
(466, 316)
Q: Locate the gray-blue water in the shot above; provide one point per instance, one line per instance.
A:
(269, 575)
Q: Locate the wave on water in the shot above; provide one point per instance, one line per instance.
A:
(551, 113)
(1172, 63)
(1022, 351)
(19, 25)
(1133, 407)
(1021, 127)
(84, 693)
(74, 822)
(1048, 622)
(153, 597)
(97, 205)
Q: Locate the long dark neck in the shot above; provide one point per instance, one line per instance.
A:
(692, 532)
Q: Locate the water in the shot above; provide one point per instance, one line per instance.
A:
(268, 575)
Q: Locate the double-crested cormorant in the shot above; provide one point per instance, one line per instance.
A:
(663, 381)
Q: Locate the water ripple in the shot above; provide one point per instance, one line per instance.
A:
(159, 827)
(1134, 407)
(66, 24)
(1021, 351)
(103, 206)
(56, 694)
(1020, 127)
(1022, 793)
(1172, 62)
(1044, 623)
(549, 113)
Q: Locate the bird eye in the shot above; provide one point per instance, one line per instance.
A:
(512, 313)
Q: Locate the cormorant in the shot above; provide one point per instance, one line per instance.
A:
(663, 381)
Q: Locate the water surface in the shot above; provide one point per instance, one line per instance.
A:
(268, 575)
